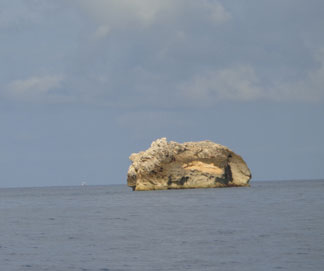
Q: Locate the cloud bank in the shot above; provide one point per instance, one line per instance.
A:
(135, 53)
(241, 83)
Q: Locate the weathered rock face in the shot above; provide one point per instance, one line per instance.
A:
(171, 165)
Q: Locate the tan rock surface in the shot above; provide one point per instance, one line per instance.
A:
(171, 165)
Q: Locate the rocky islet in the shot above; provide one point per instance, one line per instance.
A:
(172, 165)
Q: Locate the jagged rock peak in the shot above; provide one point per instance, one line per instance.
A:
(172, 165)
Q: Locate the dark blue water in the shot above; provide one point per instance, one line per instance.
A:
(269, 226)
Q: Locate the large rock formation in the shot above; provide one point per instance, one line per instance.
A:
(171, 165)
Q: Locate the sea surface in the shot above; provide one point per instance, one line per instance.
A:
(270, 226)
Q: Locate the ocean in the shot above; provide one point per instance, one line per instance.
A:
(272, 225)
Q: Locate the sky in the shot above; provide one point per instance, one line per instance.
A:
(83, 84)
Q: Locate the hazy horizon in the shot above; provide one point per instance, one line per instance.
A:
(125, 184)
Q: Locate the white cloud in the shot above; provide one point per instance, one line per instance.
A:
(34, 88)
(307, 89)
(238, 83)
(218, 14)
(241, 83)
(313, 86)
(144, 13)
(21, 13)
(121, 12)
(102, 31)
(11, 15)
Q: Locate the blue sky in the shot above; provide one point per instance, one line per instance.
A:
(83, 84)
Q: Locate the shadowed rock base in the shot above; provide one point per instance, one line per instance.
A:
(171, 165)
